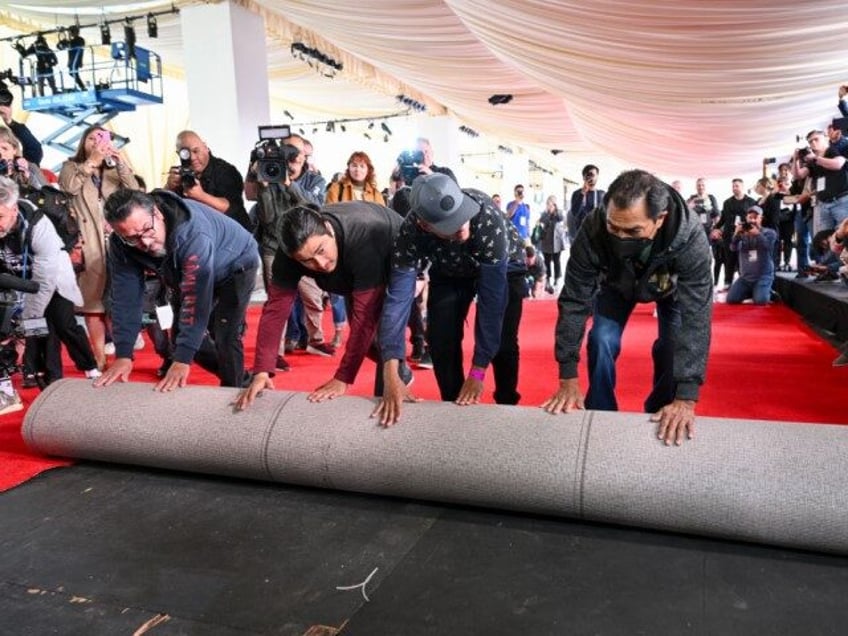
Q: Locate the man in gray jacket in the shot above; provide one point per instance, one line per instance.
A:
(643, 245)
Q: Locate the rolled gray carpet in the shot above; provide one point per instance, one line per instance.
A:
(769, 482)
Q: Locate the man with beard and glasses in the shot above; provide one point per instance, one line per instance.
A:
(643, 245)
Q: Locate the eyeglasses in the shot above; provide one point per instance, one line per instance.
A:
(136, 239)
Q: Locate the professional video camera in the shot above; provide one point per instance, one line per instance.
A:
(271, 156)
(409, 161)
(188, 177)
(12, 327)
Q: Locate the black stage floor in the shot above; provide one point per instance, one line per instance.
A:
(102, 549)
(823, 305)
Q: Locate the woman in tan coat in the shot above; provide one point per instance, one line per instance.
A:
(89, 177)
(358, 183)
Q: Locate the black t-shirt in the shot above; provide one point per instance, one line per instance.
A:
(221, 179)
(835, 181)
(365, 233)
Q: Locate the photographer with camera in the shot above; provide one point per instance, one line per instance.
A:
(755, 246)
(823, 162)
(414, 163)
(25, 173)
(733, 211)
(75, 45)
(31, 249)
(31, 149)
(207, 179)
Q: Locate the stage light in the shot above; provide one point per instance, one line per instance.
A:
(105, 33)
(152, 26)
(386, 128)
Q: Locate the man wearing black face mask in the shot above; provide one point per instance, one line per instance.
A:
(643, 245)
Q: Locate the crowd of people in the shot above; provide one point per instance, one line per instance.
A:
(181, 262)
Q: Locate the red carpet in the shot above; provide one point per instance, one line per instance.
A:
(764, 364)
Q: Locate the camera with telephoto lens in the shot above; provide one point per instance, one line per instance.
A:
(409, 162)
(271, 156)
(188, 177)
(12, 326)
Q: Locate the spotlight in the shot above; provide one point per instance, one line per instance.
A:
(343, 127)
(302, 132)
(505, 149)
(496, 100)
(366, 135)
(152, 26)
(556, 151)
(331, 126)
(105, 34)
(386, 128)
(469, 131)
(370, 125)
(288, 114)
(386, 138)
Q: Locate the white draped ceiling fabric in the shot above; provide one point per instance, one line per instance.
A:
(680, 87)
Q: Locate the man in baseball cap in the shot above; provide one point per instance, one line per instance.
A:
(755, 246)
(472, 251)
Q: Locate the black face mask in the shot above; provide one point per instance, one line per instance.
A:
(631, 248)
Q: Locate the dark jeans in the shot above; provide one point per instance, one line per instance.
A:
(553, 259)
(802, 246)
(447, 309)
(44, 354)
(222, 349)
(609, 318)
(730, 260)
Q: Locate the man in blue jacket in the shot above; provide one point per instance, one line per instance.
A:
(205, 257)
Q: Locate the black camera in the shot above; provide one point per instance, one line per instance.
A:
(271, 156)
(188, 178)
(409, 161)
(747, 226)
(802, 153)
(9, 167)
(11, 325)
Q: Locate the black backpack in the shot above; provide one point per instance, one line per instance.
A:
(55, 205)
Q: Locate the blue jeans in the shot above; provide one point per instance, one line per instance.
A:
(833, 212)
(759, 290)
(610, 316)
(802, 246)
(337, 304)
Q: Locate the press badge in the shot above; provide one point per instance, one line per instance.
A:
(165, 317)
(819, 184)
(752, 256)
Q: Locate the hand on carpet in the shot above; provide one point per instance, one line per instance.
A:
(470, 392)
(259, 383)
(119, 370)
(327, 391)
(676, 421)
(175, 378)
(568, 398)
(395, 393)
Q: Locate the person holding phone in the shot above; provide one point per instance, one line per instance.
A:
(95, 171)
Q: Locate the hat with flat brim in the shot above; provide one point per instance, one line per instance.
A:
(438, 201)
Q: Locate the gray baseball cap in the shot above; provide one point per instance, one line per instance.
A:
(438, 200)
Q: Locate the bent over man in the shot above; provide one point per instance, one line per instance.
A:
(643, 245)
(206, 258)
(346, 248)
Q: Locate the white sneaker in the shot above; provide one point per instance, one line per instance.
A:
(109, 349)
(93, 374)
(10, 403)
(139, 343)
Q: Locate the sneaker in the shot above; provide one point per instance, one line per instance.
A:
(426, 362)
(139, 343)
(417, 351)
(30, 381)
(320, 349)
(109, 349)
(282, 365)
(10, 403)
(842, 360)
(93, 374)
(290, 346)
